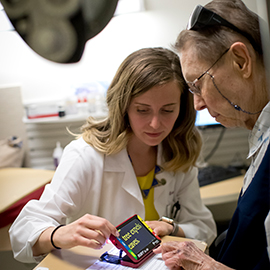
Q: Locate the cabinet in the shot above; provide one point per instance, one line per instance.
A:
(43, 133)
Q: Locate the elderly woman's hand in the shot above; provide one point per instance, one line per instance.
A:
(186, 255)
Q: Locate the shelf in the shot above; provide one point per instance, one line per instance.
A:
(64, 119)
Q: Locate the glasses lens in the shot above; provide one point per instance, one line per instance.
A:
(193, 89)
(202, 17)
(193, 22)
(190, 91)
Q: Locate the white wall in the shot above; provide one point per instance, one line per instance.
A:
(41, 79)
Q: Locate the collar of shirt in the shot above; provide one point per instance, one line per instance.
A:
(260, 133)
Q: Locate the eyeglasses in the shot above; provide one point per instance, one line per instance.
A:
(214, 83)
(195, 89)
(202, 17)
(236, 107)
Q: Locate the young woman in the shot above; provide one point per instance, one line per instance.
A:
(139, 160)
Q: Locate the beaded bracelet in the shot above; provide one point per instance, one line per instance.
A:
(55, 229)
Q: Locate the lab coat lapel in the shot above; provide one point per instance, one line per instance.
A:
(161, 192)
(120, 163)
(161, 189)
(163, 195)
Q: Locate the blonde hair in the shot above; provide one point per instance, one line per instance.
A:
(138, 73)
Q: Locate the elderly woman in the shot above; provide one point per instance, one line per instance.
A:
(222, 62)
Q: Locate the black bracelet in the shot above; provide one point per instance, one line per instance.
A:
(55, 229)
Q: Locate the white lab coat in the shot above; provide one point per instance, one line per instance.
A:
(87, 181)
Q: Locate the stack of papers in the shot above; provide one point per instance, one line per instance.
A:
(154, 262)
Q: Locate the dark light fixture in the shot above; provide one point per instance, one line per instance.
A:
(58, 29)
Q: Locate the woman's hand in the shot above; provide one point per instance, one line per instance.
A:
(162, 228)
(186, 255)
(89, 231)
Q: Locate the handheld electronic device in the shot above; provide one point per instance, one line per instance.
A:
(136, 239)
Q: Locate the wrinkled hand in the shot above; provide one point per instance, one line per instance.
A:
(186, 255)
(90, 231)
(161, 228)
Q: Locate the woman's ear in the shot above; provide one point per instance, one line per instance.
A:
(242, 60)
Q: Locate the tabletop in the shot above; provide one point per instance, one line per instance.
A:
(16, 183)
(223, 191)
(80, 258)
